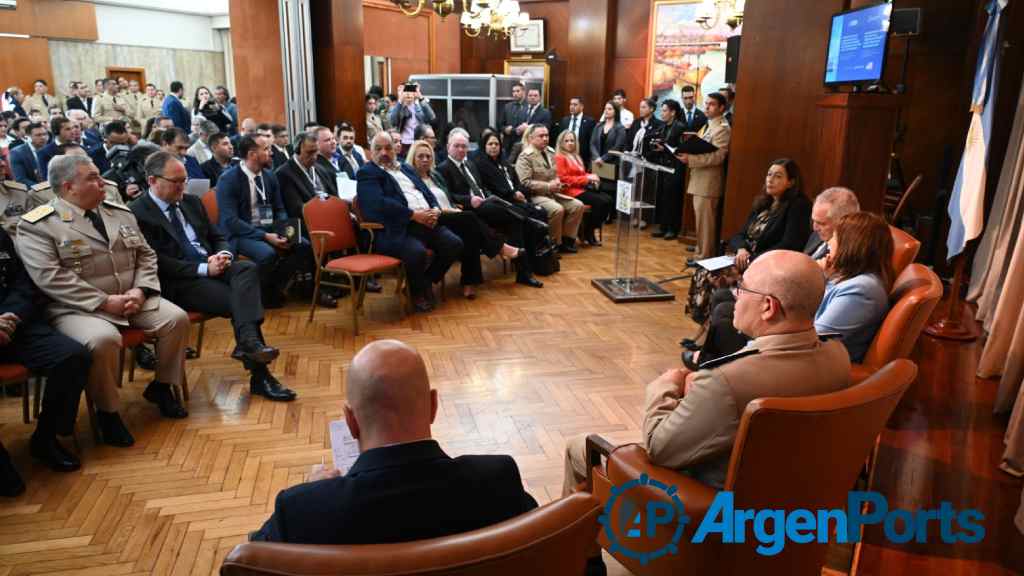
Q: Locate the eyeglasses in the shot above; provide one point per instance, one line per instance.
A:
(181, 182)
(739, 287)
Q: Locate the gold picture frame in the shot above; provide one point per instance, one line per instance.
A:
(531, 68)
(681, 53)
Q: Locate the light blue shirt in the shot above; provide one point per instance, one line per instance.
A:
(190, 233)
(854, 308)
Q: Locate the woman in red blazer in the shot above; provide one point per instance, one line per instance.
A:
(581, 185)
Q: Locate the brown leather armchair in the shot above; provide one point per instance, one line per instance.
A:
(789, 453)
(904, 249)
(549, 541)
(914, 296)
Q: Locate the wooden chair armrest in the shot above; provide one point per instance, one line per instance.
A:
(371, 226)
(597, 446)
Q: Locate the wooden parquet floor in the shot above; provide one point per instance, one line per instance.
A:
(518, 371)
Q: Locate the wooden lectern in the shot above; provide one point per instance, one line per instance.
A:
(855, 142)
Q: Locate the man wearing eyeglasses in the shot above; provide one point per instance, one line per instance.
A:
(692, 417)
(197, 269)
(89, 257)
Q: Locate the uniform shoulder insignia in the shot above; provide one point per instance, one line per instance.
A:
(41, 186)
(116, 205)
(38, 213)
(15, 185)
(826, 336)
(109, 182)
(728, 358)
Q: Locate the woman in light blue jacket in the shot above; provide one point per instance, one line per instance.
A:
(859, 272)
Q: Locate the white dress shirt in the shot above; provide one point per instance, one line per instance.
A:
(413, 196)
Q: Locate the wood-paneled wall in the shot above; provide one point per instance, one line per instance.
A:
(629, 61)
(24, 60)
(338, 60)
(259, 76)
(592, 34)
(424, 44)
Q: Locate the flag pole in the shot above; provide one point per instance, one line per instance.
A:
(957, 323)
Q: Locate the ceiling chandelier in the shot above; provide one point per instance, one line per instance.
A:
(496, 17)
(711, 12)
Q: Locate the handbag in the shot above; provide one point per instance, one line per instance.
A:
(545, 261)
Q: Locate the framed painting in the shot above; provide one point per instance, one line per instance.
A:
(529, 38)
(534, 68)
(683, 53)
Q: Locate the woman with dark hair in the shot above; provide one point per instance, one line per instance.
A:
(668, 207)
(859, 276)
(608, 136)
(205, 105)
(780, 218)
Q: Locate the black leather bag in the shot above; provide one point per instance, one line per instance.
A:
(545, 261)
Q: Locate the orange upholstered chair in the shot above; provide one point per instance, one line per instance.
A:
(549, 541)
(914, 296)
(904, 249)
(790, 453)
(330, 230)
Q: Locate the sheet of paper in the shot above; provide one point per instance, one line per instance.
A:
(198, 187)
(346, 187)
(344, 447)
(624, 198)
(716, 263)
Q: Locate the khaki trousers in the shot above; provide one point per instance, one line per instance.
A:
(168, 324)
(704, 215)
(564, 216)
(575, 463)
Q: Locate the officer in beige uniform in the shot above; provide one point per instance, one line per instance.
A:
(705, 179)
(112, 106)
(148, 105)
(13, 203)
(91, 259)
(692, 418)
(536, 170)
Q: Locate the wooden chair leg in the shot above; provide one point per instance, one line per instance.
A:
(199, 339)
(184, 387)
(356, 294)
(92, 418)
(120, 367)
(39, 395)
(24, 402)
(316, 296)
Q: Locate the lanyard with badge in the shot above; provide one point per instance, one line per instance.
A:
(264, 211)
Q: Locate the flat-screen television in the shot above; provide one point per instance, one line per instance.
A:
(857, 45)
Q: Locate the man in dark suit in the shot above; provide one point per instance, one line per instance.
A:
(175, 110)
(402, 487)
(197, 271)
(282, 150)
(249, 200)
(829, 207)
(175, 141)
(513, 117)
(465, 188)
(536, 113)
(222, 157)
(409, 229)
(64, 131)
(27, 338)
(302, 179)
(693, 118)
(24, 160)
(18, 131)
(581, 125)
(327, 148)
(114, 134)
(349, 158)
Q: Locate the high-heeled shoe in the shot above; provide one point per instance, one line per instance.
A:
(469, 293)
(511, 255)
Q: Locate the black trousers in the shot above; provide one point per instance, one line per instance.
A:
(235, 294)
(668, 206)
(477, 238)
(600, 206)
(66, 364)
(420, 273)
(513, 220)
(722, 338)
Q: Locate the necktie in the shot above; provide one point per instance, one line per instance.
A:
(352, 162)
(190, 250)
(472, 183)
(311, 174)
(97, 222)
(45, 101)
(258, 180)
(689, 117)
(572, 125)
(544, 155)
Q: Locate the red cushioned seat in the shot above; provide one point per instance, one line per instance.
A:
(132, 337)
(194, 317)
(363, 263)
(10, 373)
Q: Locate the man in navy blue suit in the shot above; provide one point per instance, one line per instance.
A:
(114, 134)
(64, 131)
(175, 141)
(409, 214)
(402, 487)
(174, 109)
(349, 158)
(24, 160)
(249, 200)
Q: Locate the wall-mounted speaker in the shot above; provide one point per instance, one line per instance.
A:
(905, 22)
(732, 59)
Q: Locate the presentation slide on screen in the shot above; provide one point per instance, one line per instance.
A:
(857, 45)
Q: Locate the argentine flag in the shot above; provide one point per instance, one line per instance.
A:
(967, 203)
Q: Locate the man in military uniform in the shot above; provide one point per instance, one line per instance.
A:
(27, 338)
(90, 258)
(692, 418)
(41, 99)
(42, 193)
(13, 202)
(148, 105)
(111, 105)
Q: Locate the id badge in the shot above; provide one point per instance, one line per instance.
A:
(266, 215)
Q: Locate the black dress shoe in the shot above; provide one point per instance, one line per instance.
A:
(145, 358)
(255, 351)
(191, 353)
(689, 344)
(567, 249)
(50, 452)
(327, 301)
(11, 483)
(526, 280)
(161, 394)
(689, 361)
(671, 235)
(422, 306)
(658, 234)
(267, 386)
(372, 285)
(112, 429)
(593, 241)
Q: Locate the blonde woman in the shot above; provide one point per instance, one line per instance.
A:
(581, 185)
(538, 174)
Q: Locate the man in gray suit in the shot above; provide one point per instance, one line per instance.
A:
(831, 205)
